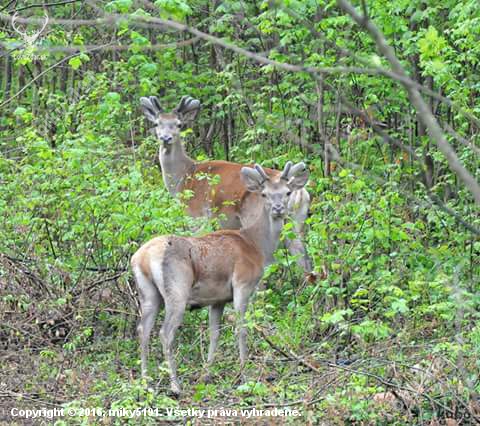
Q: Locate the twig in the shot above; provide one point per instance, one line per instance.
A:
(461, 139)
(391, 385)
(44, 72)
(388, 73)
(103, 280)
(423, 110)
(11, 394)
(43, 5)
(50, 239)
(113, 47)
(7, 5)
(149, 22)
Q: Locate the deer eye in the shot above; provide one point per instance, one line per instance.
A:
(264, 195)
(289, 193)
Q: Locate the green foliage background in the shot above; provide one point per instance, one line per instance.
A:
(397, 294)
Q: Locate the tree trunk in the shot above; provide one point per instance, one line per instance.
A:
(8, 77)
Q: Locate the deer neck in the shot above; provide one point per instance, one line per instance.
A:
(176, 164)
(265, 234)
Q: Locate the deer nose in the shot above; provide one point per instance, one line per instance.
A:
(278, 209)
(166, 138)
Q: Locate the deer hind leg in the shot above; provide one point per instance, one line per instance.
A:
(174, 280)
(298, 207)
(173, 318)
(150, 302)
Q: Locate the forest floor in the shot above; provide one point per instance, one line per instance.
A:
(329, 379)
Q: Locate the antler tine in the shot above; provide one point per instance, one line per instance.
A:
(191, 104)
(187, 103)
(261, 172)
(286, 171)
(180, 107)
(146, 103)
(297, 168)
(14, 18)
(252, 173)
(45, 23)
(155, 103)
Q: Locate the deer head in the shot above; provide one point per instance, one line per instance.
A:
(29, 37)
(276, 192)
(169, 124)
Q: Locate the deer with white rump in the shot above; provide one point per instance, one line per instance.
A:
(212, 270)
(229, 198)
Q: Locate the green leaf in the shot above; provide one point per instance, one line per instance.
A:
(121, 6)
(148, 70)
(336, 316)
(75, 62)
(174, 8)
(112, 98)
(400, 306)
(20, 111)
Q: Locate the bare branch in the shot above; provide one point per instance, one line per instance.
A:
(423, 110)
(143, 21)
(398, 72)
(150, 22)
(7, 5)
(31, 6)
(112, 47)
(386, 73)
(44, 72)
(462, 140)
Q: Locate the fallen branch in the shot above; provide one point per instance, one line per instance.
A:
(390, 385)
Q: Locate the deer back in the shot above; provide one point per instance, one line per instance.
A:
(228, 197)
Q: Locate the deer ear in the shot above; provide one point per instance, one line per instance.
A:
(252, 179)
(148, 109)
(298, 176)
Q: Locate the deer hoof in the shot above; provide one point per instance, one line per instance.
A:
(207, 378)
(240, 379)
(175, 390)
